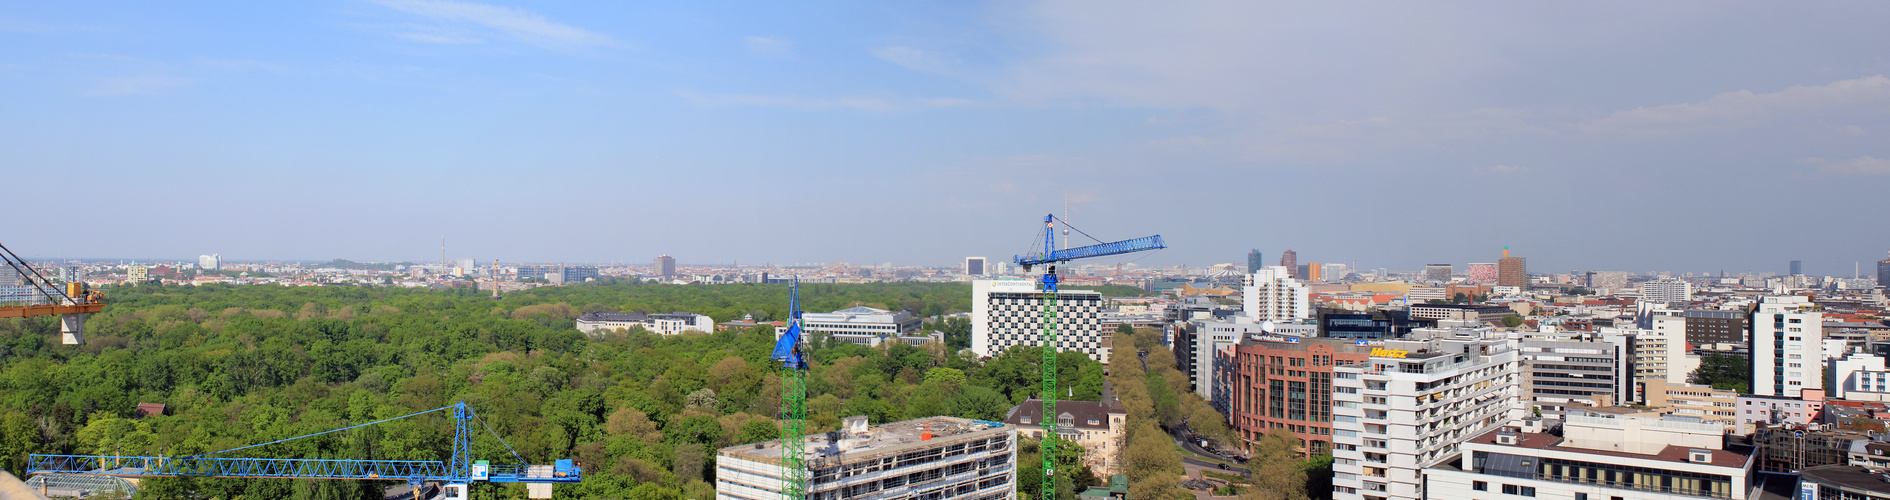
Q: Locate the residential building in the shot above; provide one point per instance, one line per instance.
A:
(1196, 358)
(974, 266)
(1284, 384)
(1858, 377)
(1608, 282)
(933, 457)
(861, 325)
(1558, 373)
(1709, 326)
(1099, 427)
(1667, 291)
(1270, 294)
(1512, 271)
(1689, 400)
(1009, 312)
(1487, 313)
(1411, 404)
(578, 274)
(664, 324)
(1599, 455)
(1254, 262)
(137, 273)
(212, 262)
(1437, 272)
(664, 266)
(1787, 334)
(1480, 273)
(1758, 411)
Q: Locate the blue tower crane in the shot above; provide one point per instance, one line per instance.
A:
(787, 350)
(1050, 258)
(456, 473)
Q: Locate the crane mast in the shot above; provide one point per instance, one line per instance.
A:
(787, 350)
(1050, 257)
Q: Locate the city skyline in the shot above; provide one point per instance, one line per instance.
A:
(599, 133)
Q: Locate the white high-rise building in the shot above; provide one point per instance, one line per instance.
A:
(1667, 291)
(1787, 333)
(1411, 405)
(212, 262)
(1272, 294)
(1009, 312)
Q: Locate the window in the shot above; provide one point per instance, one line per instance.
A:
(1581, 496)
(1480, 486)
(1527, 491)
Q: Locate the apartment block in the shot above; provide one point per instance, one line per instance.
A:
(1410, 405)
(1599, 455)
(1787, 334)
(935, 457)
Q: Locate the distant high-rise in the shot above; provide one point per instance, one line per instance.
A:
(1480, 273)
(1667, 291)
(1269, 294)
(1512, 271)
(1798, 267)
(1437, 272)
(1883, 273)
(1289, 260)
(1253, 261)
(664, 266)
(1315, 271)
(974, 266)
(212, 262)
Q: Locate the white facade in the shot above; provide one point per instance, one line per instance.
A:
(1211, 336)
(1603, 457)
(1272, 294)
(212, 262)
(1667, 291)
(1787, 333)
(1859, 376)
(1009, 312)
(934, 457)
(666, 324)
(1409, 408)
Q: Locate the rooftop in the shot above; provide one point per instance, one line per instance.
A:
(862, 441)
(1671, 453)
(1848, 476)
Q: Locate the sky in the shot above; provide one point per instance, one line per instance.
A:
(1634, 136)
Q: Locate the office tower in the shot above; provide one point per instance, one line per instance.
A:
(1281, 385)
(1253, 261)
(1480, 273)
(1334, 272)
(664, 266)
(212, 262)
(1883, 273)
(974, 266)
(1557, 373)
(1667, 291)
(1798, 267)
(1512, 271)
(1437, 272)
(1709, 326)
(1009, 312)
(1787, 335)
(1270, 294)
(1290, 261)
(578, 274)
(466, 266)
(1411, 405)
(933, 457)
(1315, 272)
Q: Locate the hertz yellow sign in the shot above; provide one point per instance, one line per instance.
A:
(1388, 353)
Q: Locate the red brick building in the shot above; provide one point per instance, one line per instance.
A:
(1285, 385)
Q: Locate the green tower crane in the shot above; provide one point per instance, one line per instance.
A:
(787, 350)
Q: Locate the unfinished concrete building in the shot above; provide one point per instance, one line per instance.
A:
(920, 459)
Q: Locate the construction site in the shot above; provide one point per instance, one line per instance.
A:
(927, 458)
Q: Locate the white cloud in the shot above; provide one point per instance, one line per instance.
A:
(515, 23)
(134, 85)
(1856, 166)
(1741, 108)
(917, 59)
(767, 46)
(1508, 169)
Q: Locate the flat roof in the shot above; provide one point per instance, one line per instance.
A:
(1670, 453)
(879, 440)
(1847, 476)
